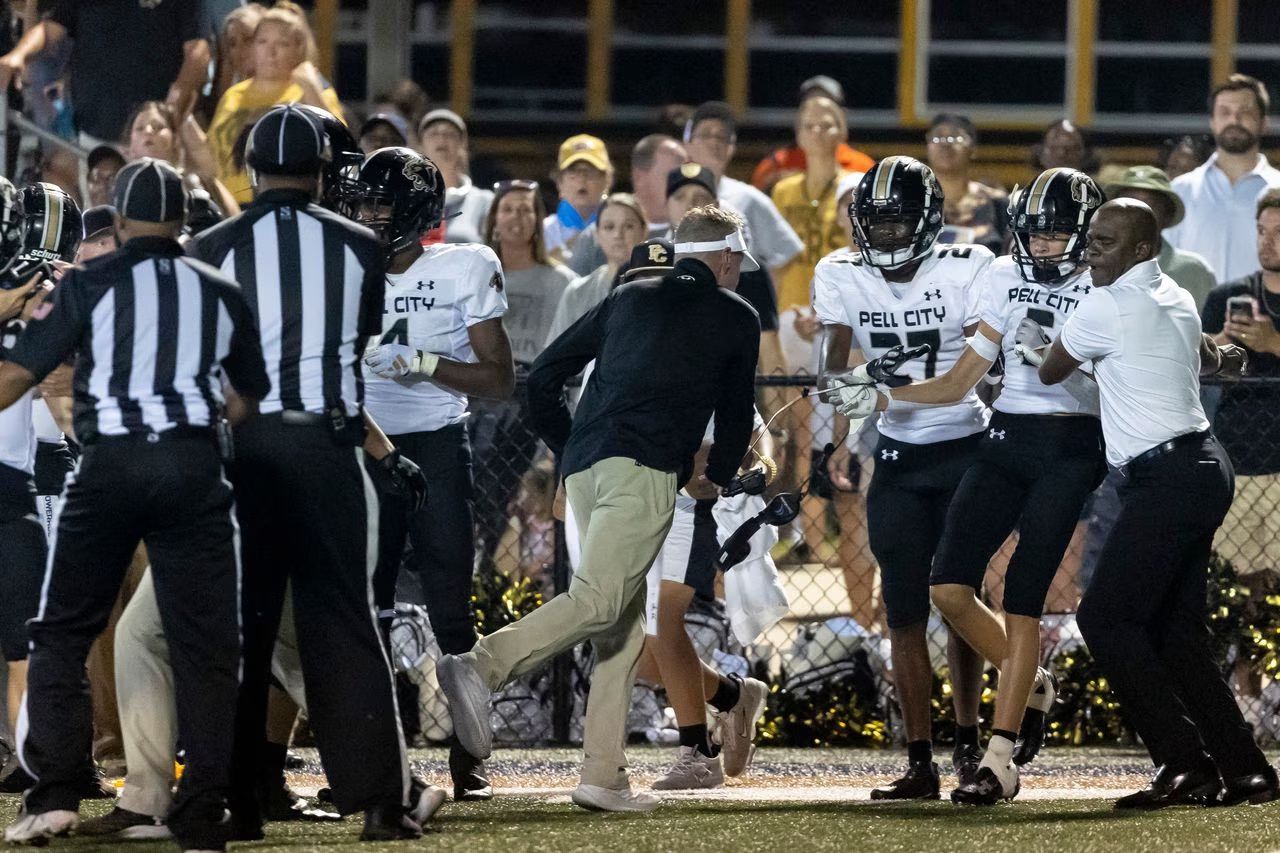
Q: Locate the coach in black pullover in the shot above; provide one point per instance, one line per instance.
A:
(669, 353)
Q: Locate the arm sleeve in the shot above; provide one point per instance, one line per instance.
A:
(735, 412)
(1214, 314)
(244, 364)
(827, 303)
(191, 18)
(48, 341)
(982, 258)
(488, 296)
(564, 357)
(991, 303)
(1093, 331)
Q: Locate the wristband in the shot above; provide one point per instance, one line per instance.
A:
(425, 363)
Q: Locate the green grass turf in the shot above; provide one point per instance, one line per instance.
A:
(512, 824)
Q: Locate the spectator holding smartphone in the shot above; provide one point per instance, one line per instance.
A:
(1247, 312)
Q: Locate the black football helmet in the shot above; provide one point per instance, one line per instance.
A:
(50, 230)
(406, 193)
(1059, 203)
(340, 178)
(896, 212)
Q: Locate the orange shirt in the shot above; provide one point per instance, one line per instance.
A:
(789, 160)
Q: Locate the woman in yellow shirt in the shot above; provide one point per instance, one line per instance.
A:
(282, 75)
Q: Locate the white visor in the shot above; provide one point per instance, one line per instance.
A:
(734, 242)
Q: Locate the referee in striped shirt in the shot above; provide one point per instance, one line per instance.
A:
(155, 334)
(308, 511)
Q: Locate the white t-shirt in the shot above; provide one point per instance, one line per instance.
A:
(1006, 298)
(17, 433)
(773, 242)
(933, 308)
(1142, 335)
(430, 307)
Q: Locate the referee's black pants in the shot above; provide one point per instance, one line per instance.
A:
(441, 536)
(1143, 615)
(167, 491)
(308, 514)
(23, 554)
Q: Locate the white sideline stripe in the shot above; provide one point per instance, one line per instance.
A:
(834, 794)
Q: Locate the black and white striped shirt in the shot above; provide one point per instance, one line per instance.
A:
(155, 333)
(314, 283)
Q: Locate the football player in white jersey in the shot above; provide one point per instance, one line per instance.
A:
(1041, 457)
(902, 290)
(442, 341)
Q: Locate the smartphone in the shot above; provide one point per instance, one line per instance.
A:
(1240, 308)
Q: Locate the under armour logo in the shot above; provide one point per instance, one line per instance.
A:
(930, 295)
(1080, 288)
(429, 285)
(997, 434)
(891, 455)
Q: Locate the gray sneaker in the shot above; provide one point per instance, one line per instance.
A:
(735, 729)
(691, 770)
(470, 701)
(597, 799)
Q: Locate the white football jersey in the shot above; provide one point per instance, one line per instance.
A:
(430, 307)
(933, 308)
(1005, 299)
(17, 431)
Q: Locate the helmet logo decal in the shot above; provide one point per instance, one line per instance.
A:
(419, 173)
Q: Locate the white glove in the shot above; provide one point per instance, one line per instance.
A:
(393, 360)
(1028, 355)
(857, 401)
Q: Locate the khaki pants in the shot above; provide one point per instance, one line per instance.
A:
(148, 714)
(624, 511)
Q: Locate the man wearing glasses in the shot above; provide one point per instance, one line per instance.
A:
(973, 212)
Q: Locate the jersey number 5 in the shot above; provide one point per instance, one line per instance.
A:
(398, 333)
(1041, 316)
(933, 337)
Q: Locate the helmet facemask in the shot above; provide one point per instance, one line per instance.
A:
(892, 237)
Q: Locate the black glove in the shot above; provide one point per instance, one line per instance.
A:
(884, 370)
(406, 479)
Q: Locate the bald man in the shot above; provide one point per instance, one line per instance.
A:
(1143, 614)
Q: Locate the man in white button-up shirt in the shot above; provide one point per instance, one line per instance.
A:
(1221, 195)
(1143, 615)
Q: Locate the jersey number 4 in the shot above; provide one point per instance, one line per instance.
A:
(932, 337)
(398, 333)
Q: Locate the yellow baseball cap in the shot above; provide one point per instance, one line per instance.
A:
(585, 148)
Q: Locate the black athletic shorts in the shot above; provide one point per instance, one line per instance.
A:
(906, 511)
(1034, 472)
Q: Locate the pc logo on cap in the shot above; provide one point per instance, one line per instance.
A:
(150, 190)
(287, 140)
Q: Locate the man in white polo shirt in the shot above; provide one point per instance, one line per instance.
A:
(1220, 195)
(1143, 615)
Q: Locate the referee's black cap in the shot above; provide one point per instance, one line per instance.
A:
(287, 140)
(150, 190)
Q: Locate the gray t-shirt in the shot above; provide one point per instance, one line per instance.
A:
(774, 241)
(579, 297)
(533, 295)
(471, 205)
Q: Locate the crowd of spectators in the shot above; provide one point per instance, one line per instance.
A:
(564, 239)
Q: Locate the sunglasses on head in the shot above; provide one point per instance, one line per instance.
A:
(504, 187)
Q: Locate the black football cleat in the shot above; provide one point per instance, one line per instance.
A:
(920, 782)
(965, 761)
(389, 823)
(985, 790)
(470, 781)
(1255, 789)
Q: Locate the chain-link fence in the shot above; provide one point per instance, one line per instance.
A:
(828, 659)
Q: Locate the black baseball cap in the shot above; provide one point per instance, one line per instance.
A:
(103, 152)
(690, 173)
(652, 257)
(287, 140)
(98, 219)
(150, 190)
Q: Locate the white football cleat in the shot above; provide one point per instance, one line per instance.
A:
(37, 829)
(597, 799)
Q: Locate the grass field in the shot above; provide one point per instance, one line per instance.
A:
(796, 800)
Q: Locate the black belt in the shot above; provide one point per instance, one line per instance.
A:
(292, 417)
(181, 432)
(1167, 447)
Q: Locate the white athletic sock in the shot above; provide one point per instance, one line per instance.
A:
(999, 760)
